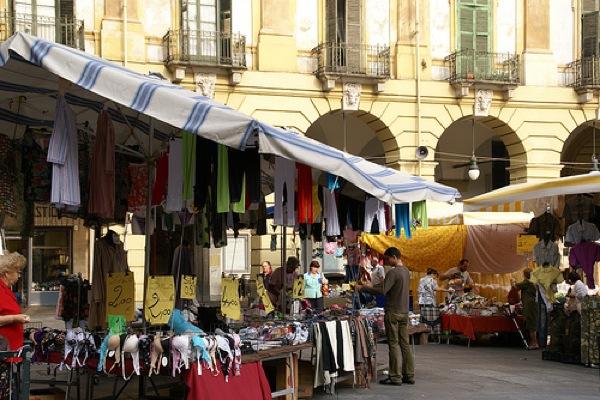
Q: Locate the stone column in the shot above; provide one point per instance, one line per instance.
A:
(539, 66)
(111, 34)
(406, 42)
(276, 48)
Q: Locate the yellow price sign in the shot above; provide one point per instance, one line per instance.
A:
(188, 287)
(120, 295)
(230, 298)
(264, 296)
(160, 296)
(298, 288)
(526, 243)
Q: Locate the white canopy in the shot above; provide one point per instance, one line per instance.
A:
(31, 67)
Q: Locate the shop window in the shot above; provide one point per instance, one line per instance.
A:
(52, 258)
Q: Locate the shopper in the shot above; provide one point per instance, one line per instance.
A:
(285, 274)
(577, 292)
(313, 284)
(267, 271)
(428, 305)
(396, 290)
(530, 307)
(462, 269)
(11, 319)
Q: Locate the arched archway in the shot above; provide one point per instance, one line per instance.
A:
(497, 147)
(360, 132)
(577, 151)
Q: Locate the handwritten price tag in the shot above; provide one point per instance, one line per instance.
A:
(264, 296)
(159, 301)
(526, 243)
(120, 295)
(188, 287)
(298, 288)
(230, 298)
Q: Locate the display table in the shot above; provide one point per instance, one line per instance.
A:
(470, 326)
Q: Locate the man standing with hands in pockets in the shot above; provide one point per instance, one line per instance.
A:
(395, 288)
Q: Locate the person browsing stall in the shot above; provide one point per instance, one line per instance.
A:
(313, 283)
(11, 318)
(461, 269)
(267, 271)
(427, 292)
(530, 307)
(285, 274)
(396, 290)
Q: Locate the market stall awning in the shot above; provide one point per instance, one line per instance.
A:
(26, 60)
(588, 183)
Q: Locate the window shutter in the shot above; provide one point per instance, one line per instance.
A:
(589, 6)
(466, 27)
(330, 20)
(66, 8)
(353, 35)
(589, 34)
(482, 24)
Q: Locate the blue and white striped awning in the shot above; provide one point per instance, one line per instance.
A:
(35, 67)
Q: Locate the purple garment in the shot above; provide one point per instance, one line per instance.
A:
(585, 255)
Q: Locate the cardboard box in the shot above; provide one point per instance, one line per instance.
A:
(46, 394)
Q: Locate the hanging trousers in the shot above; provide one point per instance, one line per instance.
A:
(285, 181)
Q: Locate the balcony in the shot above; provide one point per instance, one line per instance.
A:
(362, 62)
(63, 30)
(195, 48)
(585, 76)
(495, 70)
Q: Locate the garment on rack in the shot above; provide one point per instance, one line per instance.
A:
(237, 170)
(333, 182)
(175, 186)
(159, 189)
(122, 187)
(74, 305)
(374, 209)
(138, 192)
(317, 208)
(38, 175)
(63, 154)
(223, 199)
(305, 195)
(545, 226)
(546, 277)
(582, 231)
(102, 171)
(585, 255)
(7, 177)
(253, 178)
(285, 182)
(330, 214)
(546, 252)
(419, 214)
(108, 257)
(189, 168)
(403, 220)
(578, 207)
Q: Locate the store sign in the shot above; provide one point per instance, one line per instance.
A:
(298, 288)
(160, 299)
(120, 295)
(45, 214)
(188, 287)
(526, 243)
(230, 298)
(264, 296)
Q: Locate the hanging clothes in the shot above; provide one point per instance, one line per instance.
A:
(83, 149)
(102, 171)
(403, 220)
(546, 277)
(237, 171)
(419, 214)
(581, 231)
(206, 153)
(317, 208)
(285, 183)
(183, 264)
(63, 154)
(122, 187)
(330, 214)
(189, 168)
(333, 182)
(305, 195)
(223, 199)
(7, 177)
(374, 208)
(545, 226)
(108, 257)
(38, 175)
(138, 194)
(546, 252)
(585, 255)
(159, 189)
(175, 186)
(578, 207)
(253, 178)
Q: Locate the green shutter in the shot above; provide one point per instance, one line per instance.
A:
(589, 34)
(474, 33)
(466, 27)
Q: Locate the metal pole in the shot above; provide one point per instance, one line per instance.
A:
(148, 212)
(283, 266)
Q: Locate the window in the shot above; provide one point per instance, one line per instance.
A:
(51, 257)
(589, 28)
(40, 17)
(235, 258)
(344, 33)
(474, 25)
(207, 28)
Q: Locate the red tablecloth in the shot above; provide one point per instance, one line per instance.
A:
(251, 384)
(470, 326)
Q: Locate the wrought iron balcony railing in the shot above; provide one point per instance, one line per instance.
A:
(198, 47)
(353, 59)
(468, 66)
(585, 73)
(64, 30)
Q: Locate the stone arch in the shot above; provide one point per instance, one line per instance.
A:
(578, 148)
(499, 151)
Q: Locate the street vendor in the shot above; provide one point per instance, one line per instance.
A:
(285, 274)
(11, 319)
(462, 270)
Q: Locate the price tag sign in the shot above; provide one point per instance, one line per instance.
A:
(188, 287)
(298, 288)
(120, 295)
(264, 296)
(526, 243)
(116, 324)
(230, 298)
(159, 302)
